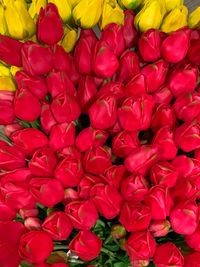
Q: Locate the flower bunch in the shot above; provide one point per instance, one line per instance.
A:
(100, 148)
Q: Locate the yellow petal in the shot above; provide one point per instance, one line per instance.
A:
(35, 7)
(194, 19)
(69, 40)
(64, 9)
(3, 26)
(171, 4)
(14, 70)
(4, 71)
(129, 4)
(7, 84)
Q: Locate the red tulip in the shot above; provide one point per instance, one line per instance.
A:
(114, 174)
(162, 95)
(6, 212)
(159, 228)
(46, 118)
(184, 165)
(49, 25)
(61, 59)
(10, 51)
(183, 185)
(193, 52)
(86, 184)
(129, 31)
(7, 114)
(32, 223)
(136, 86)
(192, 259)
(70, 196)
(20, 175)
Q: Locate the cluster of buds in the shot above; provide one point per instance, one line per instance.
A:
(102, 133)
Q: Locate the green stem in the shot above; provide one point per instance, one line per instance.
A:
(60, 247)
(109, 253)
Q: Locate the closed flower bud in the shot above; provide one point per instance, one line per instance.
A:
(46, 118)
(3, 26)
(128, 66)
(7, 115)
(11, 158)
(193, 52)
(15, 10)
(70, 195)
(175, 19)
(83, 8)
(163, 95)
(35, 7)
(175, 47)
(159, 228)
(69, 39)
(150, 16)
(136, 86)
(32, 223)
(130, 4)
(160, 202)
(64, 9)
(86, 245)
(140, 246)
(61, 59)
(57, 225)
(82, 214)
(118, 231)
(168, 254)
(193, 20)
(135, 217)
(192, 259)
(172, 4)
(47, 191)
(86, 184)
(35, 246)
(107, 200)
(114, 175)
(97, 160)
(111, 13)
(129, 31)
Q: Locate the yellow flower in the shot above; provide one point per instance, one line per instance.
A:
(171, 4)
(69, 40)
(64, 9)
(73, 3)
(150, 16)
(4, 70)
(194, 19)
(3, 26)
(87, 13)
(112, 12)
(129, 4)
(7, 84)
(35, 7)
(14, 70)
(176, 19)
(19, 22)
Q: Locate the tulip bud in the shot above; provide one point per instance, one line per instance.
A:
(43, 163)
(124, 142)
(187, 136)
(187, 106)
(130, 4)
(46, 118)
(160, 202)
(163, 116)
(37, 60)
(113, 36)
(69, 40)
(192, 259)
(140, 246)
(7, 115)
(162, 95)
(183, 79)
(104, 61)
(32, 223)
(149, 17)
(57, 225)
(6, 212)
(64, 9)
(82, 214)
(129, 31)
(90, 137)
(193, 20)
(135, 113)
(107, 200)
(128, 66)
(43, 189)
(168, 254)
(141, 159)
(136, 86)
(36, 85)
(165, 141)
(155, 75)
(65, 108)
(86, 245)
(26, 213)
(21, 176)
(118, 231)
(164, 173)
(134, 188)
(183, 185)
(159, 228)
(32, 249)
(111, 13)
(87, 90)
(70, 195)
(10, 51)
(35, 7)
(69, 152)
(184, 218)
(86, 184)
(114, 175)
(135, 217)
(149, 45)
(172, 4)
(61, 59)
(61, 136)
(97, 160)
(49, 19)
(193, 53)
(3, 26)
(175, 19)
(15, 10)
(174, 48)
(11, 158)
(83, 8)
(29, 140)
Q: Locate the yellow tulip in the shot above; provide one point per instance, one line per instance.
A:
(87, 13)
(69, 40)
(19, 22)
(64, 9)
(194, 19)
(7, 84)
(14, 70)
(4, 70)
(129, 4)
(150, 16)
(171, 4)
(3, 26)
(35, 7)
(112, 13)
(176, 19)
(73, 3)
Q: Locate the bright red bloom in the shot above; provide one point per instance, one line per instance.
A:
(159, 228)
(129, 31)
(7, 114)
